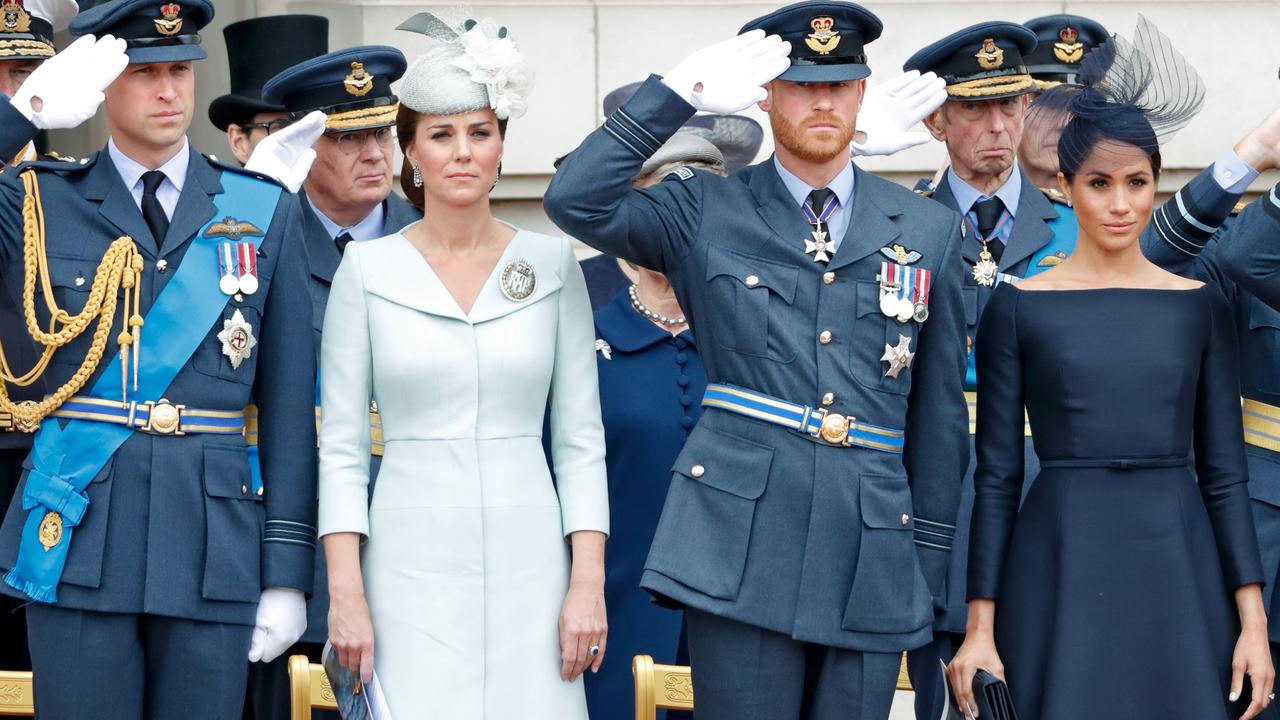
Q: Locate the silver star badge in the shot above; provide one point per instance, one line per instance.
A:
(898, 357)
(603, 348)
(237, 339)
(818, 246)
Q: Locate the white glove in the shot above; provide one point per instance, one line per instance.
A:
(67, 89)
(727, 77)
(282, 618)
(891, 109)
(286, 155)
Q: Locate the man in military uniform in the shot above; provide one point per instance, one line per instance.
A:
(1243, 260)
(810, 514)
(257, 49)
(346, 197)
(1062, 43)
(136, 532)
(26, 40)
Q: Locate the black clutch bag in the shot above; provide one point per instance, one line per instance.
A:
(991, 695)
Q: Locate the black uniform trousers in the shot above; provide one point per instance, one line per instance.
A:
(743, 672)
(95, 665)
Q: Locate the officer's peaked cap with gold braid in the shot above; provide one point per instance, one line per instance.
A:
(352, 87)
(980, 62)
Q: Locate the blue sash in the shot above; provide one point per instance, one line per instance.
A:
(65, 459)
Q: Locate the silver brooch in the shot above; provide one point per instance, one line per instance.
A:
(518, 280)
(603, 348)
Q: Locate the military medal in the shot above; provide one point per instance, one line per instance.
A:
(228, 283)
(818, 243)
(237, 339)
(518, 280)
(889, 287)
(248, 256)
(921, 304)
(904, 308)
(898, 356)
(986, 269)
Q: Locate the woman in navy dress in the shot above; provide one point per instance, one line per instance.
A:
(1128, 584)
(651, 385)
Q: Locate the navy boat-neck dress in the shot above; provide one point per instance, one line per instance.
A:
(1114, 580)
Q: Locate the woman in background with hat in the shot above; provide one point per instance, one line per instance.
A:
(465, 330)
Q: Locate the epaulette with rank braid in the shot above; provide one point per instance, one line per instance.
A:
(1056, 196)
(227, 167)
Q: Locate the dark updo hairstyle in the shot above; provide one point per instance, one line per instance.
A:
(1094, 120)
(406, 131)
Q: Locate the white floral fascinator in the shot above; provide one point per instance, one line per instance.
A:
(470, 65)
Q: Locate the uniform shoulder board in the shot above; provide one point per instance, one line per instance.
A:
(61, 163)
(51, 155)
(1056, 196)
(227, 167)
(924, 188)
(681, 173)
(1240, 206)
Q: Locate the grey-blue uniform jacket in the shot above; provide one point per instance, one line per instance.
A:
(172, 526)
(1043, 233)
(1244, 259)
(322, 260)
(841, 546)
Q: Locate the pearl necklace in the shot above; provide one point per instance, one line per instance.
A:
(651, 315)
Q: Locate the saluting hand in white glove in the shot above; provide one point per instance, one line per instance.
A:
(67, 88)
(891, 109)
(727, 77)
(286, 155)
(281, 620)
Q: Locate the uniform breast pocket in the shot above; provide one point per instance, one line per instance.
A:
(759, 293)
(1263, 342)
(71, 280)
(230, 351)
(883, 349)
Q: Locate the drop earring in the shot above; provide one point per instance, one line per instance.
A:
(417, 177)
(496, 177)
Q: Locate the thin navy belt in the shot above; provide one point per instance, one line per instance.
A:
(1135, 463)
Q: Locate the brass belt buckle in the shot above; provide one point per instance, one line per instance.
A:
(834, 429)
(163, 418)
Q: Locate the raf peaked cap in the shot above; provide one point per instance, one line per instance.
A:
(27, 27)
(154, 31)
(258, 49)
(828, 39)
(980, 62)
(352, 87)
(1063, 41)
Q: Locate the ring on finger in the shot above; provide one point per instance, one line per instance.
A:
(1272, 696)
(594, 651)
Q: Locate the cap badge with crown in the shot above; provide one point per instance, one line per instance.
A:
(1070, 49)
(14, 18)
(169, 23)
(823, 39)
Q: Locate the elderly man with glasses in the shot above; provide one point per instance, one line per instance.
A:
(258, 49)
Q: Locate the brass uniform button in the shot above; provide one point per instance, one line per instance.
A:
(697, 471)
(244, 489)
(825, 337)
(162, 266)
(752, 281)
(828, 400)
(906, 519)
(828, 278)
(259, 492)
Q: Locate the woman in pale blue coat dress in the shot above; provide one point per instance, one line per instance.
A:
(456, 582)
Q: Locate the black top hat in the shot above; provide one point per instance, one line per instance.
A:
(1064, 41)
(980, 62)
(257, 50)
(827, 38)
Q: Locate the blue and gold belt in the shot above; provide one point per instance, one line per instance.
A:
(376, 444)
(817, 424)
(1261, 424)
(160, 417)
